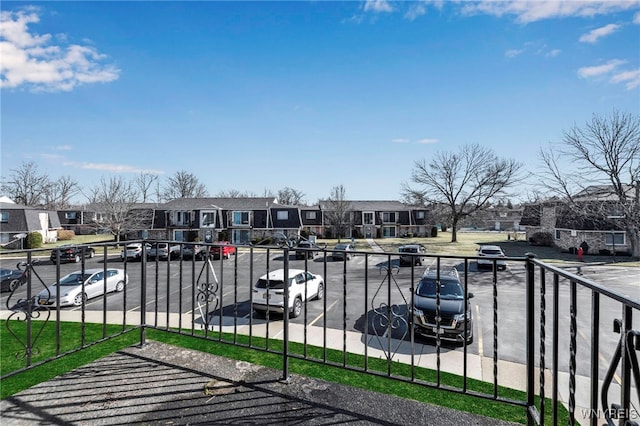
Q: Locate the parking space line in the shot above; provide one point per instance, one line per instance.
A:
(478, 323)
(322, 314)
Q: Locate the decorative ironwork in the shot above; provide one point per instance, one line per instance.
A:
(25, 310)
(389, 318)
(207, 293)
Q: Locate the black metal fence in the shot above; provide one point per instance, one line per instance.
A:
(535, 328)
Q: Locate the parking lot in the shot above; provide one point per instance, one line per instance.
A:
(357, 291)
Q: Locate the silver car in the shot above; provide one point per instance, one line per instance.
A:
(78, 287)
(487, 255)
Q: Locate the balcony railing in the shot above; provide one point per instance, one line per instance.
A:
(539, 328)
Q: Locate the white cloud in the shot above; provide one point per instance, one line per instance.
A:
(593, 35)
(598, 70)
(527, 11)
(636, 18)
(630, 78)
(612, 73)
(64, 148)
(29, 60)
(377, 6)
(427, 141)
(553, 53)
(400, 140)
(415, 11)
(113, 168)
(512, 53)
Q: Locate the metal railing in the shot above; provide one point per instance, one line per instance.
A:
(364, 322)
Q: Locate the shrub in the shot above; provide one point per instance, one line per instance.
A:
(65, 235)
(34, 240)
(541, 239)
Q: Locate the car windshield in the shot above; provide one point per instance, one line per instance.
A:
(342, 247)
(448, 289)
(408, 250)
(74, 279)
(263, 283)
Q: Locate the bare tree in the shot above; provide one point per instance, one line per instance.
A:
(144, 183)
(235, 193)
(61, 191)
(339, 211)
(117, 199)
(184, 185)
(464, 182)
(290, 196)
(606, 150)
(27, 186)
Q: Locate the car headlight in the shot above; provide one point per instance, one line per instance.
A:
(460, 317)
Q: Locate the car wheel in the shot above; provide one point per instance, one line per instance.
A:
(119, 286)
(14, 284)
(80, 297)
(91, 254)
(77, 258)
(297, 308)
(320, 294)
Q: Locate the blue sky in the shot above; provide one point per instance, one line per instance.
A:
(258, 96)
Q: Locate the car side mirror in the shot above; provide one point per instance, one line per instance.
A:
(469, 296)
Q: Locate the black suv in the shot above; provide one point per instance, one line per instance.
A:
(440, 308)
(304, 249)
(71, 253)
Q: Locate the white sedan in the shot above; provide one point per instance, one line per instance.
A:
(268, 292)
(71, 286)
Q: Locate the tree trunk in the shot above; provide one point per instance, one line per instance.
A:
(454, 231)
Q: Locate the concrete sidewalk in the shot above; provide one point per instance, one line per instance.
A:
(161, 384)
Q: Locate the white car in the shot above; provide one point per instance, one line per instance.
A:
(268, 291)
(133, 251)
(71, 291)
(487, 255)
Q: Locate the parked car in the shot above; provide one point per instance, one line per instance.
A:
(268, 291)
(447, 290)
(415, 257)
(197, 251)
(71, 286)
(343, 251)
(164, 251)
(133, 251)
(222, 248)
(487, 254)
(69, 253)
(10, 279)
(306, 249)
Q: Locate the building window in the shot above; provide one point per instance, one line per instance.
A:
(388, 231)
(70, 215)
(240, 218)
(420, 215)
(208, 219)
(388, 217)
(310, 215)
(614, 239)
(4, 217)
(282, 215)
(557, 234)
(367, 218)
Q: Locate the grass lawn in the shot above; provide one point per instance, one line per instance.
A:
(94, 333)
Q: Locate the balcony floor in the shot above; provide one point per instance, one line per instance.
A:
(163, 384)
